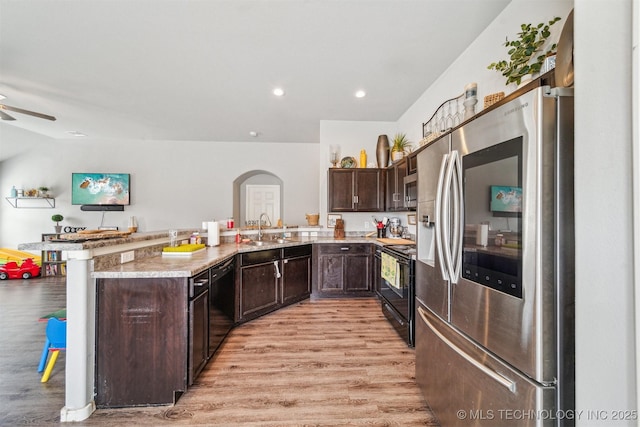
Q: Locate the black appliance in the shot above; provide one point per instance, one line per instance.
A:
(221, 303)
(397, 298)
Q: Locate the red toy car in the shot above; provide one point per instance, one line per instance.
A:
(27, 270)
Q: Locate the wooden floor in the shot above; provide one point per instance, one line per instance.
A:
(330, 362)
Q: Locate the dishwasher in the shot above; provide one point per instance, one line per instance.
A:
(221, 303)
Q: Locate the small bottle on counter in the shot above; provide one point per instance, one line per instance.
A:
(363, 159)
(238, 238)
(499, 240)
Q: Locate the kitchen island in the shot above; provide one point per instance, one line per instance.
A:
(90, 261)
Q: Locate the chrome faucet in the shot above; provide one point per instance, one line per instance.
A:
(260, 224)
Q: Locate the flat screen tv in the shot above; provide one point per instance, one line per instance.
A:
(506, 199)
(106, 189)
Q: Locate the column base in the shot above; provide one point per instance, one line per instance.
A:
(79, 414)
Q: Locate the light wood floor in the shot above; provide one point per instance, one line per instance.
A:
(330, 362)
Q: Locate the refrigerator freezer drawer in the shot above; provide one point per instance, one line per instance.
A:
(466, 386)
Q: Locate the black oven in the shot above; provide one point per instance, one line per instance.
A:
(396, 288)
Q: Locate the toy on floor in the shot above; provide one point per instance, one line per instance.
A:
(26, 270)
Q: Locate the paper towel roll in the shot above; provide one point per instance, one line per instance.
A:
(482, 234)
(213, 233)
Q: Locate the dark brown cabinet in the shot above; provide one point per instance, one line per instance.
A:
(296, 274)
(273, 278)
(154, 336)
(343, 269)
(395, 190)
(258, 283)
(412, 163)
(141, 341)
(355, 190)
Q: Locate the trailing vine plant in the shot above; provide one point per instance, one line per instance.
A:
(529, 43)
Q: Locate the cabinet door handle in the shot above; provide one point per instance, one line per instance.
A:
(278, 275)
(344, 248)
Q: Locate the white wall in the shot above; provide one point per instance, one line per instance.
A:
(174, 184)
(605, 343)
(471, 66)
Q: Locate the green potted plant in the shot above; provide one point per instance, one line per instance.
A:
(44, 191)
(525, 53)
(57, 218)
(400, 146)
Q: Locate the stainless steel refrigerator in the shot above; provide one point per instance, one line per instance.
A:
(495, 266)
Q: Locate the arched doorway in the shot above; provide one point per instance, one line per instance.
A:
(255, 192)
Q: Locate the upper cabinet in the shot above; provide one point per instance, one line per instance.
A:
(395, 194)
(355, 190)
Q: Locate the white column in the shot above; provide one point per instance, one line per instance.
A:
(80, 353)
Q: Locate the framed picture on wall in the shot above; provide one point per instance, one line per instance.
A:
(411, 219)
(331, 220)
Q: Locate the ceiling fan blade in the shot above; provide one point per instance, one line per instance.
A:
(5, 116)
(31, 113)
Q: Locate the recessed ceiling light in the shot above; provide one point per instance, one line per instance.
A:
(253, 133)
(361, 94)
(2, 96)
(278, 91)
(76, 133)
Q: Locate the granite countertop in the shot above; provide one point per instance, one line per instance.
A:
(187, 266)
(98, 243)
(184, 266)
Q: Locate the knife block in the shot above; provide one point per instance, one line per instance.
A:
(338, 231)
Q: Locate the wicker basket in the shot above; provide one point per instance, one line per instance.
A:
(489, 100)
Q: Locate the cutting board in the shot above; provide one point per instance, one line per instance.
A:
(396, 241)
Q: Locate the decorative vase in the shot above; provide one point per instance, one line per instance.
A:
(58, 229)
(382, 151)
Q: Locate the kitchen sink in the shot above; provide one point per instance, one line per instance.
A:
(268, 242)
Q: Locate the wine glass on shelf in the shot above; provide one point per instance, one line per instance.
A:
(449, 119)
(457, 117)
(442, 123)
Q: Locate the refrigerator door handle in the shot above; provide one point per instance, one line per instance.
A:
(449, 203)
(505, 382)
(458, 209)
(439, 217)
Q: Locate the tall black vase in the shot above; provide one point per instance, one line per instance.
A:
(382, 151)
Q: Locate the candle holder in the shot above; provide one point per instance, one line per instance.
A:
(334, 155)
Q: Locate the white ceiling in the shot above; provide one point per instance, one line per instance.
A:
(205, 70)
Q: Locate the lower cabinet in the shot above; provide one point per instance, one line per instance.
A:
(258, 283)
(271, 279)
(296, 274)
(142, 334)
(343, 269)
(154, 336)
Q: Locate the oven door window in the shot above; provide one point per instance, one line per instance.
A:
(492, 250)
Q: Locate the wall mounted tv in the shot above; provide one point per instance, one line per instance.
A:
(506, 200)
(100, 189)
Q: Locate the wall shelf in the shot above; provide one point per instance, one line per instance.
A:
(32, 202)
